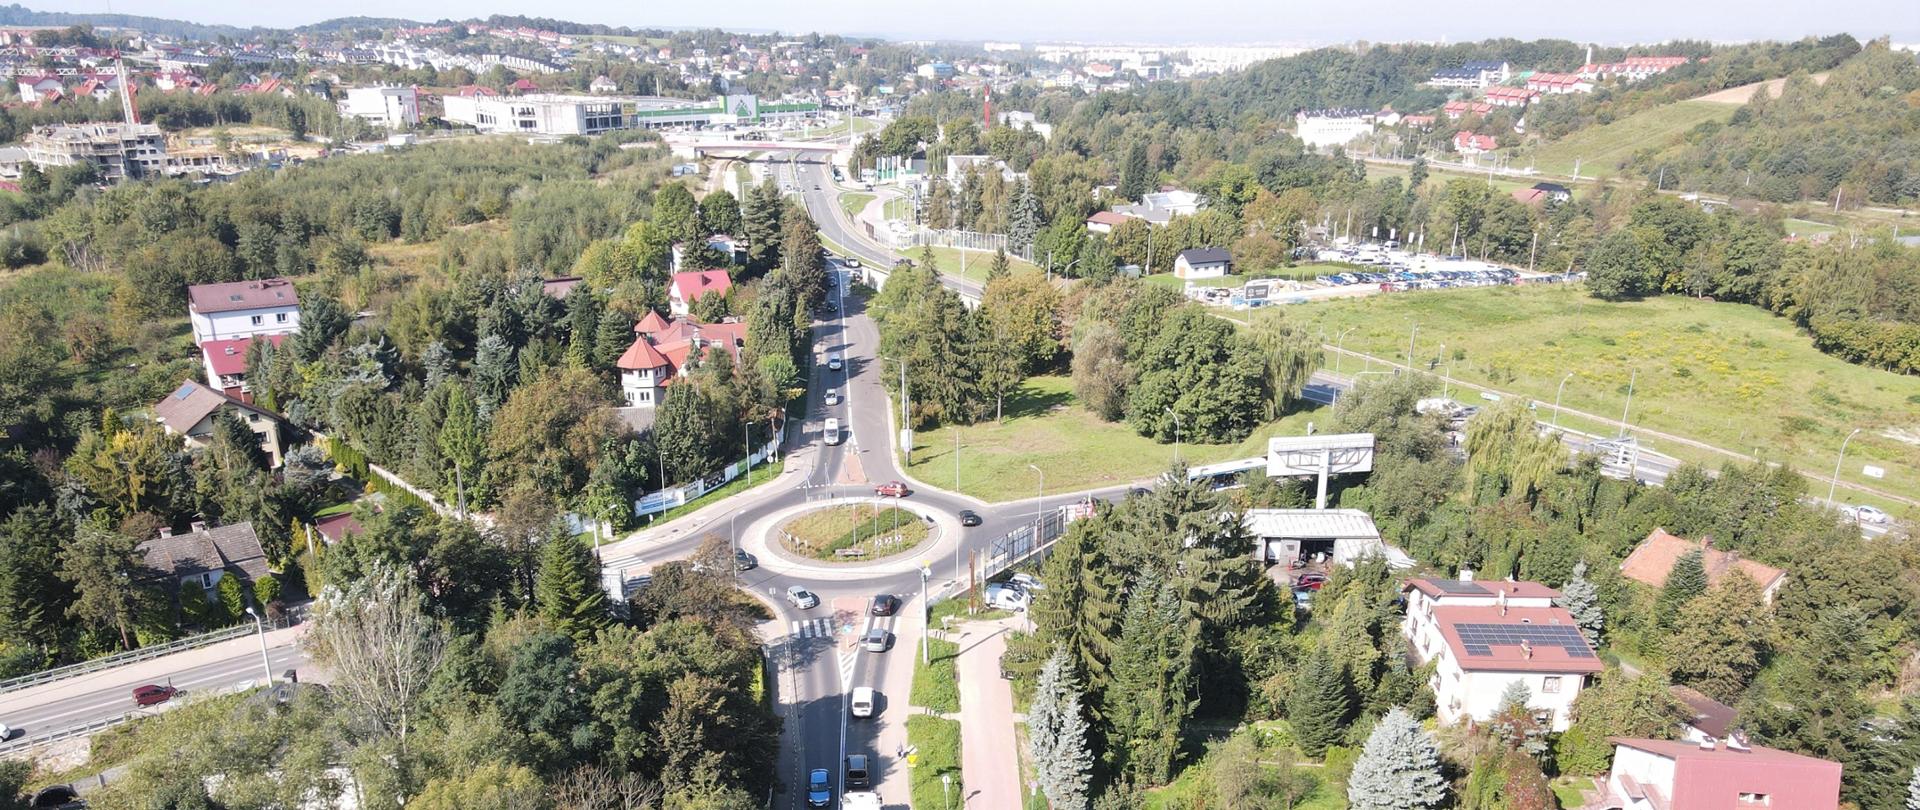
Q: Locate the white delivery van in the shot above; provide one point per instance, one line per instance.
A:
(832, 431)
(862, 703)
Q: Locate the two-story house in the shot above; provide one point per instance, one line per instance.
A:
(663, 350)
(227, 318)
(188, 412)
(685, 288)
(1711, 774)
(1484, 636)
(1206, 262)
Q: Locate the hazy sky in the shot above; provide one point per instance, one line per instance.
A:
(1155, 21)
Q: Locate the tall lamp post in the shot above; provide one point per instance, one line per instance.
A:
(266, 664)
(1176, 433)
(1039, 504)
(1338, 348)
(1556, 399)
(1835, 483)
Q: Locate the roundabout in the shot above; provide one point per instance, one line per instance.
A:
(861, 531)
(767, 537)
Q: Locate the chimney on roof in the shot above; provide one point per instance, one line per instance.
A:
(1466, 575)
(1501, 600)
(199, 525)
(166, 531)
(1706, 742)
(1526, 648)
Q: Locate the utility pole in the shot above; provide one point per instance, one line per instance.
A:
(1176, 434)
(1410, 336)
(1556, 399)
(1835, 483)
(1629, 407)
(1533, 251)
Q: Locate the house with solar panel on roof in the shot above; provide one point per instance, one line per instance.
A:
(1484, 636)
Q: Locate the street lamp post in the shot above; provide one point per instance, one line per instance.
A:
(926, 614)
(1410, 337)
(1556, 399)
(1039, 504)
(1835, 483)
(1176, 433)
(1628, 408)
(1338, 348)
(1444, 377)
(266, 664)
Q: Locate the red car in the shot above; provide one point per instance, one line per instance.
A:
(153, 694)
(892, 489)
(1311, 581)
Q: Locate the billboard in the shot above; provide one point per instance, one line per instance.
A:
(1330, 454)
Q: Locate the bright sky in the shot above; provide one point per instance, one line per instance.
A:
(1133, 21)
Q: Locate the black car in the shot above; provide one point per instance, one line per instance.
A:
(969, 518)
(743, 561)
(885, 605)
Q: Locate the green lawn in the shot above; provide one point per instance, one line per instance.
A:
(852, 202)
(1601, 150)
(936, 744)
(1731, 375)
(1439, 175)
(1046, 427)
(936, 686)
(977, 262)
(897, 208)
(1807, 227)
(823, 533)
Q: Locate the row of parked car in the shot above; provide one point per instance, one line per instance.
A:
(1404, 279)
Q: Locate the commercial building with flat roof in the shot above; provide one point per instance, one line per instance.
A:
(554, 114)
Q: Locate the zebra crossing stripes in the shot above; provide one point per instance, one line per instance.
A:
(812, 628)
(848, 661)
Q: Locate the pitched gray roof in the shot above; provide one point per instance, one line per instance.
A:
(222, 548)
(1206, 255)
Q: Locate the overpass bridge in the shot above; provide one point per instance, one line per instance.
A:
(716, 147)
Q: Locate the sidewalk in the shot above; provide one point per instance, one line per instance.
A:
(989, 765)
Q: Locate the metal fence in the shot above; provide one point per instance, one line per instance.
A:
(134, 656)
(68, 733)
(1023, 544)
(964, 240)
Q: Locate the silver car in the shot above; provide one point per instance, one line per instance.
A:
(802, 598)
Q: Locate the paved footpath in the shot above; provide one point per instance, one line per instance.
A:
(989, 766)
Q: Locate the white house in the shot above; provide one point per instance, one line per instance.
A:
(686, 288)
(663, 350)
(602, 85)
(1728, 774)
(1331, 127)
(1484, 636)
(1207, 262)
(392, 107)
(240, 309)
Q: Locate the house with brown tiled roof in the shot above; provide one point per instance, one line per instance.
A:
(1653, 560)
(665, 350)
(200, 557)
(189, 411)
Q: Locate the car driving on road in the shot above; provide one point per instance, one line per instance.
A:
(968, 517)
(832, 430)
(892, 489)
(832, 397)
(862, 703)
(819, 788)
(802, 598)
(885, 604)
(153, 694)
(1865, 514)
(876, 640)
(833, 361)
(743, 561)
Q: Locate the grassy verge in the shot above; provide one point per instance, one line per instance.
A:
(854, 202)
(823, 533)
(1046, 427)
(956, 609)
(976, 262)
(1194, 788)
(763, 474)
(936, 686)
(1731, 375)
(936, 744)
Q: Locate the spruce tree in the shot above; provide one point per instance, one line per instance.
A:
(1319, 704)
(1582, 599)
(1000, 265)
(1686, 580)
(567, 586)
(1913, 790)
(1057, 735)
(1148, 704)
(1023, 219)
(1399, 769)
(1134, 174)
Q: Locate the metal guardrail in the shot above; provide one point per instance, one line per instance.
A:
(142, 654)
(68, 733)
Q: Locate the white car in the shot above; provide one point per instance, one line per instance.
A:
(832, 397)
(832, 431)
(1006, 598)
(1027, 583)
(862, 703)
(833, 361)
(1866, 514)
(802, 598)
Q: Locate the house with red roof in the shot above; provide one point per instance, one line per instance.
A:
(664, 350)
(1503, 96)
(1468, 143)
(1482, 637)
(1104, 221)
(35, 88)
(523, 86)
(1713, 774)
(226, 362)
(1652, 560)
(685, 288)
(237, 309)
(1559, 83)
(1454, 110)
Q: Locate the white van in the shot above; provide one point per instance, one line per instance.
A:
(862, 703)
(832, 431)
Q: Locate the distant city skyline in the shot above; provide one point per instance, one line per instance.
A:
(1133, 22)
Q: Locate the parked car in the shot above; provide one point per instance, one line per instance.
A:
(1865, 514)
(819, 788)
(833, 361)
(802, 598)
(743, 561)
(877, 640)
(1027, 583)
(1006, 598)
(1312, 580)
(969, 518)
(153, 694)
(885, 604)
(857, 776)
(862, 703)
(1303, 598)
(892, 489)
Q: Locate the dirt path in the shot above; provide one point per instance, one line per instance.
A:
(1744, 93)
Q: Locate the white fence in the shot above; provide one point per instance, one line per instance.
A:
(963, 240)
(663, 500)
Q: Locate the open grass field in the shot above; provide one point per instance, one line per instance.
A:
(865, 528)
(1046, 427)
(1731, 375)
(975, 265)
(1441, 174)
(1601, 150)
(852, 202)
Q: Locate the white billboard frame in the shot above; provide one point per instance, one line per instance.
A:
(1320, 456)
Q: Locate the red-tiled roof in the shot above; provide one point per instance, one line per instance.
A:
(1714, 778)
(1107, 218)
(235, 295)
(1513, 657)
(690, 286)
(641, 355)
(230, 356)
(651, 323)
(1653, 560)
(1493, 588)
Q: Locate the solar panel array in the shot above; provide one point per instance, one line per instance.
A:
(1479, 639)
(1456, 587)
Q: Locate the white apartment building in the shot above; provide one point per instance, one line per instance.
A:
(1484, 636)
(1332, 127)
(555, 114)
(392, 107)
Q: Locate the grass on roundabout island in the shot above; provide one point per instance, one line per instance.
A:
(852, 532)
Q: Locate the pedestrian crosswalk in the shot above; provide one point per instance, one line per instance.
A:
(812, 628)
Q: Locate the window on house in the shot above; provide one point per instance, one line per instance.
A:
(257, 320)
(206, 580)
(1759, 799)
(280, 317)
(1550, 685)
